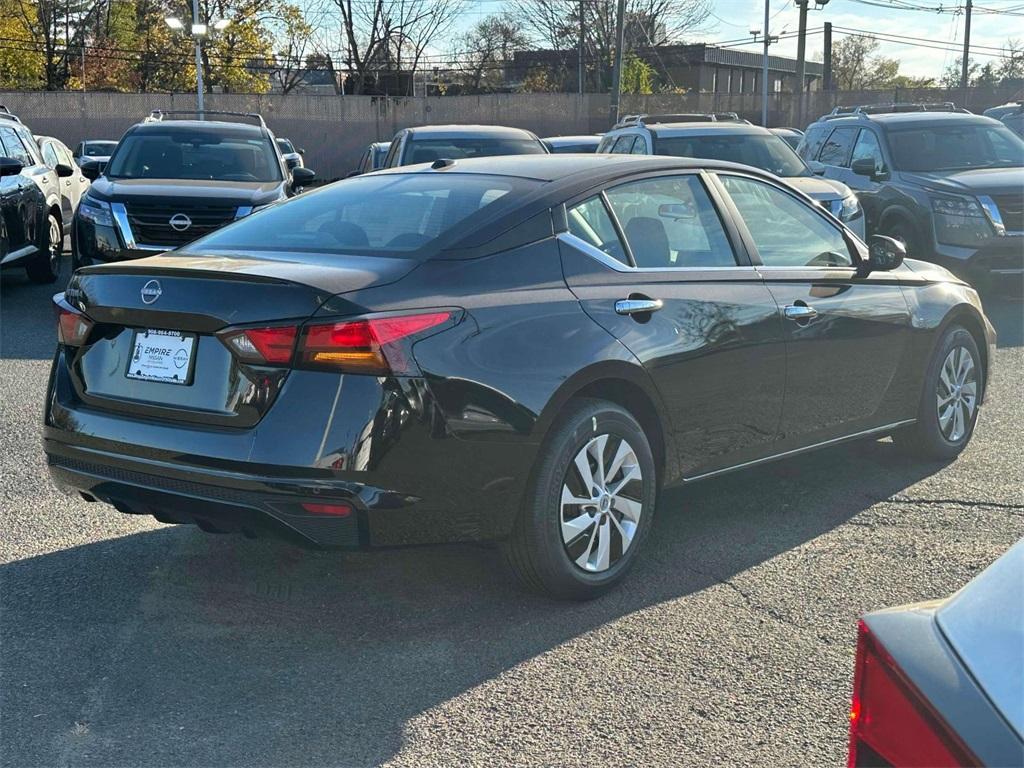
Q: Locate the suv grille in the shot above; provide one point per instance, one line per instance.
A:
(151, 222)
(1011, 208)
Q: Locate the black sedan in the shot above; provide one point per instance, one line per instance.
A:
(518, 349)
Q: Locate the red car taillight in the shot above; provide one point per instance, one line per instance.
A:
(72, 326)
(891, 722)
(371, 346)
(374, 345)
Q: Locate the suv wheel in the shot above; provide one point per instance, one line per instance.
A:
(949, 404)
(45, 268)
(901, 230)
(590, 504)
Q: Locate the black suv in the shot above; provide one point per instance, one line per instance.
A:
(947, 183)
(171, 181)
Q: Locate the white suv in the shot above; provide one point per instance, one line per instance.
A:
(724, 136)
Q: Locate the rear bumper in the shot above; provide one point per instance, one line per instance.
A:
(381, 446)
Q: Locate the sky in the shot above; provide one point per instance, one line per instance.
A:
(733, 19)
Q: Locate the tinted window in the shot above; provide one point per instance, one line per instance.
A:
(379, 215)
(14, 148)
(786, 232)
(836, 150)
(670, 222)
(590, 221)
(99, 148)
(953, 147)
(811, 143)
(768, 152)
(867, 148)
(194, 155)
(429, 150)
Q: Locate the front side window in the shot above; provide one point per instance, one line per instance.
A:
(785, 231)
(194, 155)
(953, 147)
(50, 155)
(670, 222)
(837, 149)
(590, 222)
(429, 150)
(386, 215)
(867, 148)
(640, 146)
(623, 145)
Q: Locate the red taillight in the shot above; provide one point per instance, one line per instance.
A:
(371, 345)
(333, 510)
(272, 345)
(72, 326)
(889, 719)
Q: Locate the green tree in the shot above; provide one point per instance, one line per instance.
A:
(857, 66)
(637, 75)
(21, 64)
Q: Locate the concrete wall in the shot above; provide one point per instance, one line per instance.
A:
(334, 130)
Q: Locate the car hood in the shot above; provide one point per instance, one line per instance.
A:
(978, 181)
(222, 192)
(818, 188)
(984, 622)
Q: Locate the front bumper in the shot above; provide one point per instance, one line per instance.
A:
(380, 446)
(1001, 259)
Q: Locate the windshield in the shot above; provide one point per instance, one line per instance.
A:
(955, 147)
(387, 215)
(769, 153)
(192, 155)
(429, 150)
(285, 146)
(99, 148)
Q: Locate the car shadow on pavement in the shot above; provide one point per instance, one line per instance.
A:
(172, 647)
(21, 300)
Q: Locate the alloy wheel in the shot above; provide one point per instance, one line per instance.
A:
(956, 394)
(602, 500)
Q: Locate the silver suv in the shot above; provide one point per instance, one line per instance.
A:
(724, 136)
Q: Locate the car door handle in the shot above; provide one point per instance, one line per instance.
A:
(800, 312)
(637, 306)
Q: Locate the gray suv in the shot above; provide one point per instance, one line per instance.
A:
(948, 184)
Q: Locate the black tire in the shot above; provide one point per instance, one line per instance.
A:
(536, 551)
(930, 437)
(45, 268)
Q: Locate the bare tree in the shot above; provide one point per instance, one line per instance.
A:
(487, 48)
(294, 33)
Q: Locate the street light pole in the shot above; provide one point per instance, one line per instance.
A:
(764, 66)
(199, 60)
(613, 111)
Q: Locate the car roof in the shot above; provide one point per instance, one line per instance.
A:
(183, 126)
(786, 129)
(550, 168)
(708, 128)
(584, 137)
(456, 131)
(913, 119)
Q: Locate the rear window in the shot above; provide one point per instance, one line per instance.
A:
(196, 155)
(388, 215)
(99, 148)
(429, 150)
(765, 151)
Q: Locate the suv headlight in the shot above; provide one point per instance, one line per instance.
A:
(95, 211)
(850, 209)
(960, 221)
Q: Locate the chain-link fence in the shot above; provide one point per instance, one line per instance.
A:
(334, 130)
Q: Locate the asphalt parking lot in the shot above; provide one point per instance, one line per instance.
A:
(127, 642)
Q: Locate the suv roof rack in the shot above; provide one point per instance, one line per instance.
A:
(882, 109)
(6, 114)
(682, 117)
(158, 115)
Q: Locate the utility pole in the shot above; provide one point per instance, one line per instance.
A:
(582, 71)
(826, 67)
(199, 60)
(620, 14)
(965, 64)
(764, 67)
(801, 60)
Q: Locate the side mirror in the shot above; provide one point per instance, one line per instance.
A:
(677, 211)
(9, 166)
(301, 151)
(884, 254)
(91, 170)
(63, 171)
(302, 176)
(864, 166)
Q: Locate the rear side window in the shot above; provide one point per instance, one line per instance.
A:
(836, 151)
(590, 222)
(670, 222)
(390, 215)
